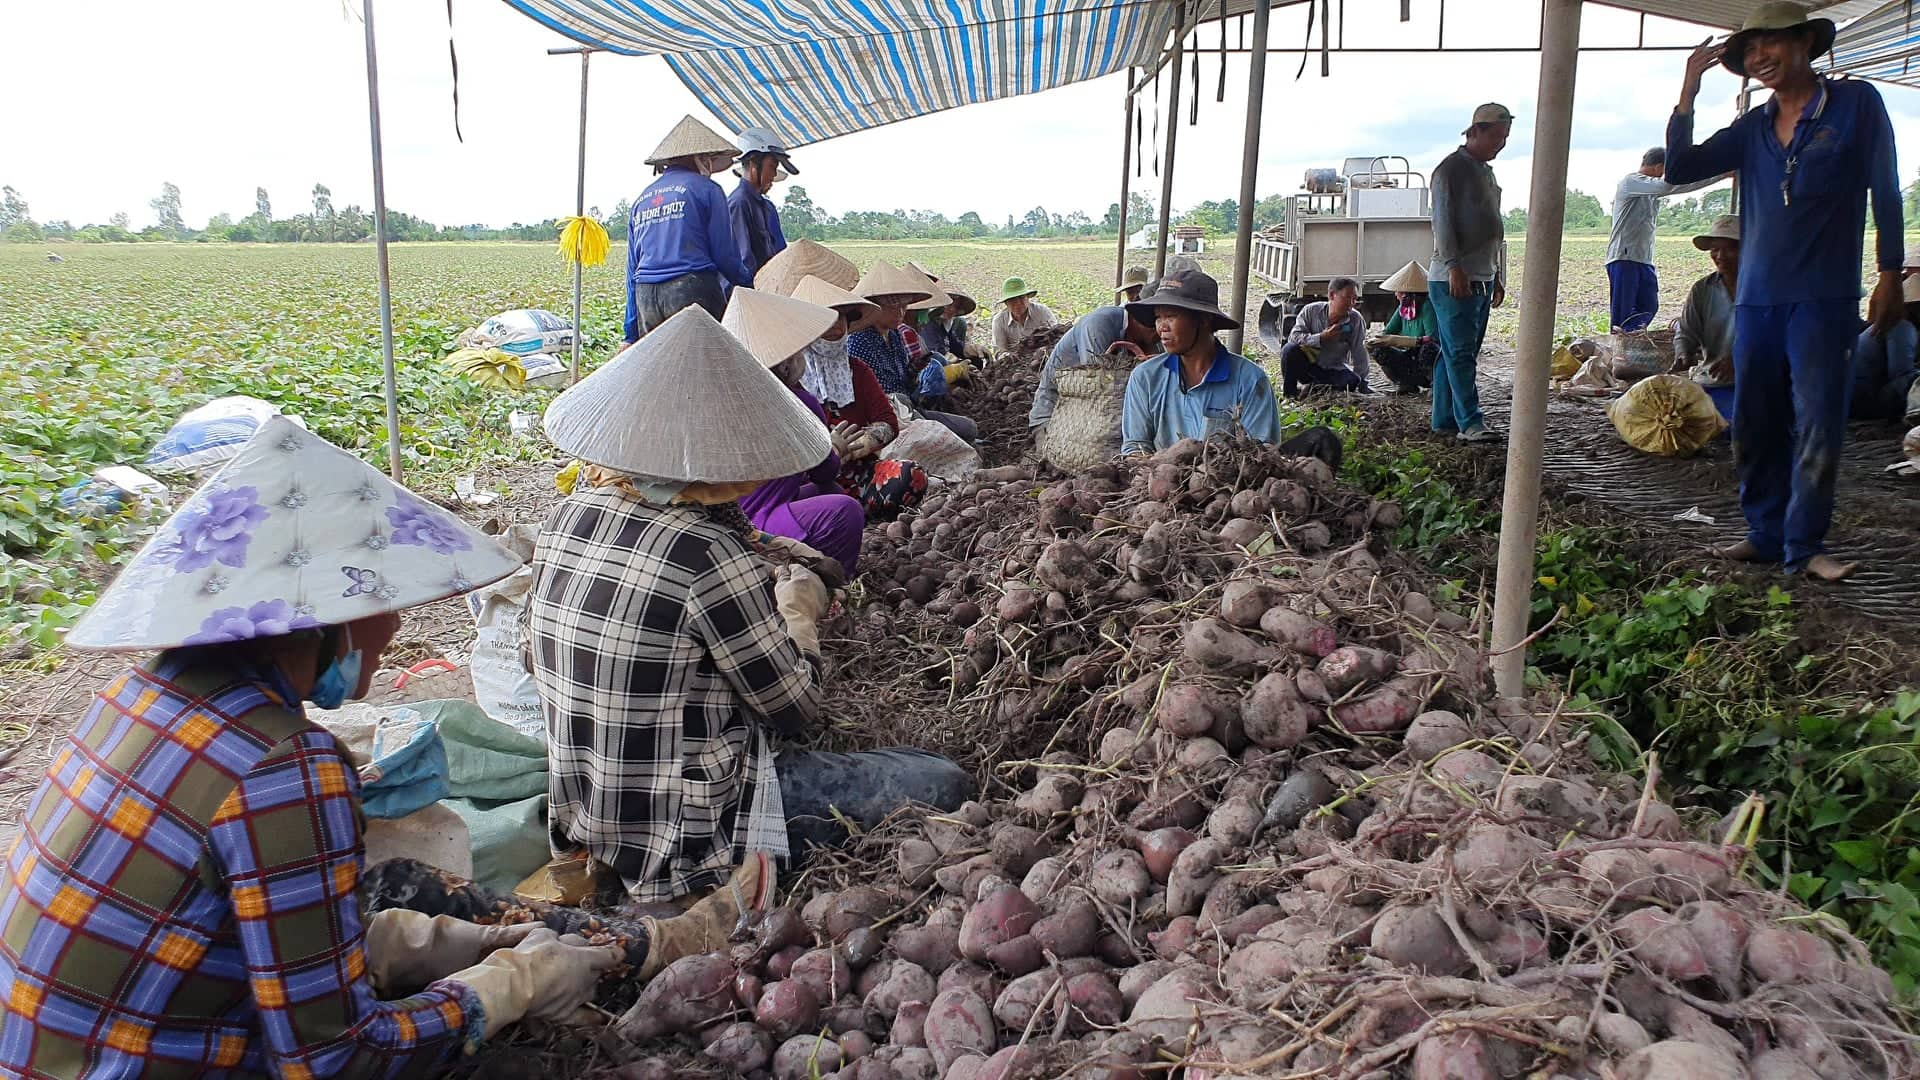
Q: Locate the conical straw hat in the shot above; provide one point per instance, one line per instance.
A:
(816, 290)
(967, 304)
(886, 279)
(772, 327)
(802, 257)
(687, 403)
(292, 533)
(915, 266)
(688, 138)
(938, 301)
(1409, 278)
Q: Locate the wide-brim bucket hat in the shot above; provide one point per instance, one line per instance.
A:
(1189, 290)
(690, 138)
(801, 258)
(293, 533)
(1136, 277)
(896, 283)
(1724, 227)
(1016, 287)
(1409, 279)
(1770, 18)
(687, 403)
(774, 327)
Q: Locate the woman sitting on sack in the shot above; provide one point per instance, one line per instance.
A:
(806, 506)
(1408, 360)
(669, 654)
(183, 898)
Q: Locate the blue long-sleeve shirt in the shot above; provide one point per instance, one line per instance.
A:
(743, 204)
(1803, 207)
(1092, 335)
(1160, 411)
(679, 226)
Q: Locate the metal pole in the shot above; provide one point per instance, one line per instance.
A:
(1540, 288)
(1173, 138)
(1249, 170)
(580, 208)
(1126, 192)
(380, 247)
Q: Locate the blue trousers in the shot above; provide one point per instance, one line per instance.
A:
(1883, 369)
(1463, 326)
(1791, 375)
(1633, 294)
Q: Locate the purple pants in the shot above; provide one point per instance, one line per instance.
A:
(828, 523)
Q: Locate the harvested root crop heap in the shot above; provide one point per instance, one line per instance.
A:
(1251, 809)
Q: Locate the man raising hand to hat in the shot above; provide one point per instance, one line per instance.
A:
(1808, 160)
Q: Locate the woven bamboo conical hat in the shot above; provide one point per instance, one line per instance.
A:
(689, 138)
(802, 257)
(817, 290)
(886, 279)
(1409, 278)
(938, 301)
(774, 327)
(688, 402)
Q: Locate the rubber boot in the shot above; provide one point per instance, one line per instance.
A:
(708, 925)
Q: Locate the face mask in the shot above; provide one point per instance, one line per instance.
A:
(340, 677)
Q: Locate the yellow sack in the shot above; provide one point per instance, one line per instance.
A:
(495, 368)
(1666, 415)
(1565, 364)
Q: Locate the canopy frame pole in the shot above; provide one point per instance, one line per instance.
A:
(1526, 438)
(1249, 173)
(1173, 141)
(380, 247)
(580, 210)
(1126, 191)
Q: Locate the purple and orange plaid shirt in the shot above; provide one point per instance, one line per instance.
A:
(182, 898)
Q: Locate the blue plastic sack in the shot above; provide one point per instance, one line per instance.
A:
(409, 767)
(209, 435)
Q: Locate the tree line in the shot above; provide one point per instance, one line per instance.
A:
(1677, 217)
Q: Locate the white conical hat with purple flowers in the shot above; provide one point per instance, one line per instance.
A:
(293, 533)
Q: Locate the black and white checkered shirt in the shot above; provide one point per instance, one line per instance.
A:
(664, 670)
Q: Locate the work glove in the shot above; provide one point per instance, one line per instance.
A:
(406, 950)
(543, 978)
(801, 598)
(831, 573)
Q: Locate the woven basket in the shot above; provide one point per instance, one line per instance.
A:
(1085, 428)
(1641, 353)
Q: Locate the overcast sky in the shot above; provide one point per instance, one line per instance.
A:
(106, 100)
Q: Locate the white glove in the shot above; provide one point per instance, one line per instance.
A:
(801, 598)
(542, 977)
(406, 950)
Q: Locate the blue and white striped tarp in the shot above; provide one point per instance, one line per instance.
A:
(812, 69)
(1884, 45)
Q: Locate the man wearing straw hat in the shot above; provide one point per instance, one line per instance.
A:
(183, 898)
(1198, 388)
(680, 242)
(1132, 284)
(1020, 315)
(753, 217)
(668, 653)
(1703, 334)
(1808, 160)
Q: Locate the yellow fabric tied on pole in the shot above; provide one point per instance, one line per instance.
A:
(583, 241)
(1666, 415)
(496, 369)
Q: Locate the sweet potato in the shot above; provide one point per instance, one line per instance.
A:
(1018, 604)
(1023, 997)
(1778, 954)
(1245, 600)
(933, 948)
(1433, 733)
(1683, 1021)
(1311, 686)
(1304, 790)
(1193, 874)
(1120, 877)
(1010, 1063)
(1660, 822)
(1017, 957)
(1780, 1063)
(909, 1024)
(917, 860)
(861, 945)
(1122, 746)
(905, 981)
(1566, 804)
(788, 1008)
(967, 975)
(1683, 875)
(804, 1057)
(1722, 934)
(825, 972)
(1662, 943)
(1234, 821)
(1258, 964)
(1624, 873)
(1091, 1001)
(1070, 931)
(1044, 877)
(1160, 848)
(1515, 945)
(1185, 709)
(1065, 567)
(779, 928)
(1349, 666)
(1053, 794)
(958, 1023)
(965, 1067)
(689, 994)
(1016, 848)
(1165, 1009)
(1180, 933)
(1302, 634)
(1377, 712)
(1676, 1059)
(1274, 716)
(1416, 936)
(780, 964)
(1313, 536)
(1212, 643)
(1000, 917)
(962, 878)
(1202, 756)
(1454, 1055)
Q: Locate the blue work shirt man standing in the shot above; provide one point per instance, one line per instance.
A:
(1808, 160)
(754, 219)
(1198, 388)
(1466, 279)
(680, 247)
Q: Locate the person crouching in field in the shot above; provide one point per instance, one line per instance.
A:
(1328, 344)
(1703, 334)
(1198, 388)
(1408, 345)
(680, 245)
(184, 895)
